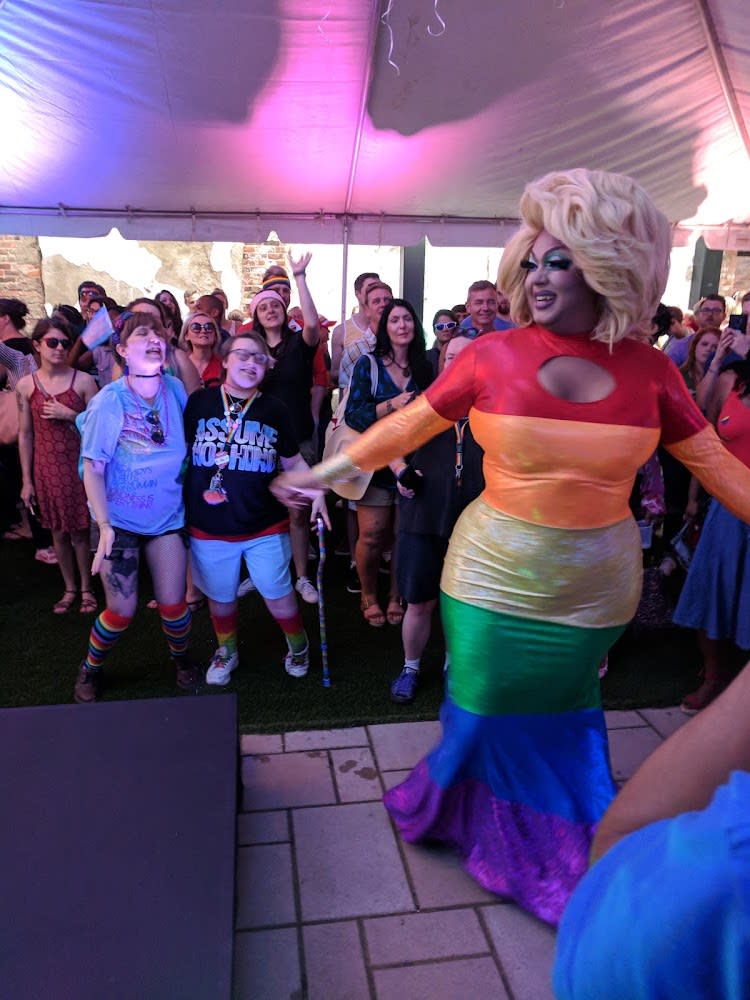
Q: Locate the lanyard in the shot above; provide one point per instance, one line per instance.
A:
(233, 415)
(460, 428)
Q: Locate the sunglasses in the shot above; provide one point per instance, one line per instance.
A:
(197, 327)
(157, 434)
(89, 293)
(258, 359)
(54, 342)
(445, 326)
(552, 261)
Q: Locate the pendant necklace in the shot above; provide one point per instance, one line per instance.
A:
(234, 412)
(405, 369)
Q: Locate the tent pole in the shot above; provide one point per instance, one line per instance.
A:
(344, 271)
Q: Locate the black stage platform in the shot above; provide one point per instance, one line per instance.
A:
(117, 849)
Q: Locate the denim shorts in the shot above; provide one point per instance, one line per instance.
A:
(125, 540)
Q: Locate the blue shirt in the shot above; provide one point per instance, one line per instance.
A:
(666, 912)
(467, 325)
(143, 479)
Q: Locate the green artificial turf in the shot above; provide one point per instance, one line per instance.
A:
(42, 651)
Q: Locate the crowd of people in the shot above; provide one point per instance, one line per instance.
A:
(400, 525)
(496, 476)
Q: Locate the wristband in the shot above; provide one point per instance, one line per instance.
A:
(299, 274)
(388, 406)
(103, 524)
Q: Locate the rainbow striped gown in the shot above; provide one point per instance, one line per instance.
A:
(543, 573)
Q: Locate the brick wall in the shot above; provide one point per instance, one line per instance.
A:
(21, 274)
(256, 257)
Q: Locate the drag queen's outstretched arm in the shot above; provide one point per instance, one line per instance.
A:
(398, 434)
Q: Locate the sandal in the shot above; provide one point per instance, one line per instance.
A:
(372, 613)
(395, 611)
(66, 602)
(88, 602)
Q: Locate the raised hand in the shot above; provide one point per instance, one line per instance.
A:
(299, 264)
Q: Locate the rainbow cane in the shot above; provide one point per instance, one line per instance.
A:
(321, 602)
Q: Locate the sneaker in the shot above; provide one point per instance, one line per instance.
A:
(306, 590)
(246, 587)
(352, 581)
(404, 687)
(188, 675)
(296, 664)
(221, 666)
(88, 685)
(46, 556)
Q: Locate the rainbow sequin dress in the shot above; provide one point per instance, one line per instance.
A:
(543, 573)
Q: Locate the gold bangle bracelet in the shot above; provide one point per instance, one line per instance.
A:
(337, 469)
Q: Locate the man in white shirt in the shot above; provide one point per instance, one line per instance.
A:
(376, 298)
(356, 326)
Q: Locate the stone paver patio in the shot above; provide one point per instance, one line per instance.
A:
(331, 905)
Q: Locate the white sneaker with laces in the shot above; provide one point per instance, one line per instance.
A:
(221, 666)
(306, 590)
(245, 587)
(296, 664)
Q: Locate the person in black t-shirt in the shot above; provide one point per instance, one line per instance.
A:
(290, 379)
(237, 435)
(450, 476)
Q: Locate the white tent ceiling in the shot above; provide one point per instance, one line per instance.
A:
(223, 119)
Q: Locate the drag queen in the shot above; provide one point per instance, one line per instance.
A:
(543, 571)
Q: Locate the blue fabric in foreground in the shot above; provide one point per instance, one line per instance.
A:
(666, 912)
(554, 763)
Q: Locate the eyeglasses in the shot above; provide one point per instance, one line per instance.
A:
(157, 434)
(197, 327)
(717, 310)
(54, 342)
(445, 326)
(88, 293)
(552, 261)
(258, 359)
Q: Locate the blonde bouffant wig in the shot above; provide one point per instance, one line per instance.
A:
(617, 237)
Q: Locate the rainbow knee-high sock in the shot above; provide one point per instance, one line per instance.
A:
(225, 627)
(175, 624)
(105, 632)
(294, 632)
